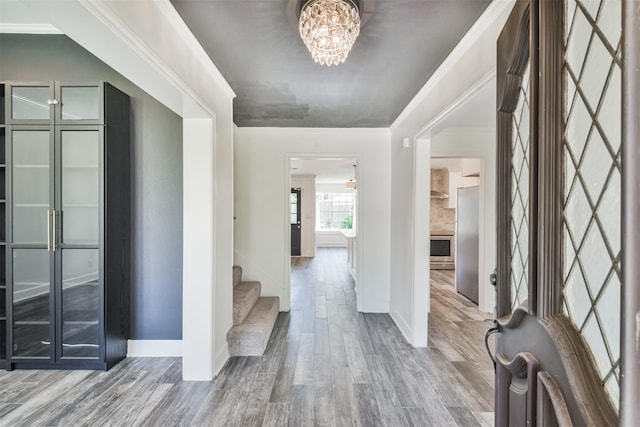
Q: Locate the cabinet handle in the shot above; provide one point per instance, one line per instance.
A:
(54, 242)
(52, 101)
(48, 230)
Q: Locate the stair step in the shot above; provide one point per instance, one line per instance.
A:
(251, 337)
(237, 275)
(245, 296)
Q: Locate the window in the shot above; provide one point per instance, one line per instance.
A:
(335, 211)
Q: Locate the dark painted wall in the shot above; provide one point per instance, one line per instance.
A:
(156, 170)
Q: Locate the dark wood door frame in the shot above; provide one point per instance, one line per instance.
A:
(512, 62)
(630, 321)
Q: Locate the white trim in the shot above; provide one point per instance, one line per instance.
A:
(154, 348)
(120, 30)
(10, 28)
(198, 254)
(402, 324)
(468, 94)
(495, 10)
(420, 274)
(167, 8)
(221, 359)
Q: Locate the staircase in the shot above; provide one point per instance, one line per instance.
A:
(253, 317)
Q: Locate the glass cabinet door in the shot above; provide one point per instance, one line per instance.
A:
(30, 242)
(31, 182)
(78, 104)
(31, 303)
(79, 204)
(80, 303)
(80, 186)
(31, 104)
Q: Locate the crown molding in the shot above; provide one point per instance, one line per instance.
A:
(117, 26)
(10, 28)
(169, 11)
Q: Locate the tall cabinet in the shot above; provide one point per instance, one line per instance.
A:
(65, 212)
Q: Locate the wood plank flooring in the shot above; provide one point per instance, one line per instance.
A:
(325, 365)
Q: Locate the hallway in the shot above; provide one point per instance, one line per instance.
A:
(326, 364)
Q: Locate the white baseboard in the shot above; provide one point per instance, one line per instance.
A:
(154, 348)
(221, 359)
(402, 325)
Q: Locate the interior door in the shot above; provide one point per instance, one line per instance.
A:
(296, 225)
(559, 214)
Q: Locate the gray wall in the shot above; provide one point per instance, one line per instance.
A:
(156, 169)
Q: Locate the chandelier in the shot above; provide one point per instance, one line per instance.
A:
(329, 28)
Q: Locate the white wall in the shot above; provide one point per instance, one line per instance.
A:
(307, 184)
(262, 230)
(470, 64)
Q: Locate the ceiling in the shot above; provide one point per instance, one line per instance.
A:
(256, 46)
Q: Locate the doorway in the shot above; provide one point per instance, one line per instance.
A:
(454, 223)
(323, 208)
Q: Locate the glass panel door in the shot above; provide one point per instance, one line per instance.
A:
(78, 103)
(31, 186)
(520, 160)
(30, 242)
(30, 103)
(80, 186)
(592, 161)
(80, 303)
(79, 204)
(31, 303)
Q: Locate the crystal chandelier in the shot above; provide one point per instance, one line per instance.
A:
(329, 28)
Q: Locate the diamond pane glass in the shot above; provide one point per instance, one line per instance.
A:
(520, 196)
(592, 191)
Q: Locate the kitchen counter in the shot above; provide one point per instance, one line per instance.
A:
(349, 234)
(351, 251)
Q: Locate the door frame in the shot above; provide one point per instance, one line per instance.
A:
(630, 317)
(424, 149)
(357, 158)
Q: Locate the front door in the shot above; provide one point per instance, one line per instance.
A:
(296, 226)
(559, 273)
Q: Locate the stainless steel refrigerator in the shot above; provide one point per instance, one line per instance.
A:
(467, 242)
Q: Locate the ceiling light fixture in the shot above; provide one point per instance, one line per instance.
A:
(351, 184)
(329, 28)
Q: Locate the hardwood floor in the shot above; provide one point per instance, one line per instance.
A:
(325, 365)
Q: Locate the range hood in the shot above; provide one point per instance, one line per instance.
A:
(439, 195)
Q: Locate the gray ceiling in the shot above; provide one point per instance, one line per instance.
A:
(256, 46)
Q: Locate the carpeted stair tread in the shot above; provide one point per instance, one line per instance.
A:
(245, 296)
(251, 337)
(237, 275)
